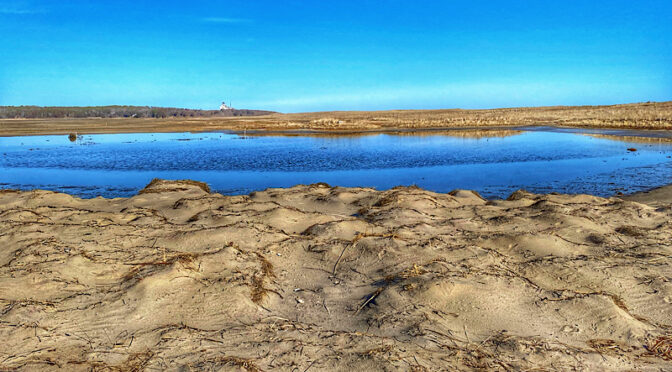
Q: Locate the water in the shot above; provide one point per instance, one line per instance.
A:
(539, 160)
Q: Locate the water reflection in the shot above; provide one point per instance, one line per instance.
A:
(633, 139)
(458, 133)
(492, 162)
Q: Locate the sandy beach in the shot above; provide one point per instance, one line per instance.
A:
(347, 186)
(319, 278)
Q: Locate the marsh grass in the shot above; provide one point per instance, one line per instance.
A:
(649, 115)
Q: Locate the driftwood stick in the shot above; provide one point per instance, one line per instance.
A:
(333, 272)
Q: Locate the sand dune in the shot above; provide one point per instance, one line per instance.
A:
(320, 278)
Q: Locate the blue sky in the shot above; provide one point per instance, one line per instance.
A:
(294, 56)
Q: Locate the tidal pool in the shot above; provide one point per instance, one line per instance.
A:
(492, 162)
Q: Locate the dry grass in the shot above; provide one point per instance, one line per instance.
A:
(662, 347)
(607, 346)
(231, 361)
(645, 115)
(633, 231)
(407, 273)
(259, 291)
(654, 115)
(377, 351)
(243, 363)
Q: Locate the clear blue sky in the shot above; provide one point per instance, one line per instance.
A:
(335, 55)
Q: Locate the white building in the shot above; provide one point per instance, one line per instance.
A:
(225, 107)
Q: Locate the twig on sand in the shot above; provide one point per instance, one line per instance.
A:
(374, 295)
(333, 272)
(466, 334)
(324, 303)
(310, 365)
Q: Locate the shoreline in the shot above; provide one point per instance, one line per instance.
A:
(663, 134)
(656, 196)
(334, 278)
(656, 116)
(653, 196)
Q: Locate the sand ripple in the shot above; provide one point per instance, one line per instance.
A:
(321, 278)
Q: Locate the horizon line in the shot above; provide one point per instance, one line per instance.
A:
(306, 112)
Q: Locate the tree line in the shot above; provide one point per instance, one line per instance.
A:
(39, 112)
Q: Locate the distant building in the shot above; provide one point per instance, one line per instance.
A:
(225, 107)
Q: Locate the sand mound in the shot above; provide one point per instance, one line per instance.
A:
(322, 278)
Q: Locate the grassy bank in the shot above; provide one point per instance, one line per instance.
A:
(656, 115)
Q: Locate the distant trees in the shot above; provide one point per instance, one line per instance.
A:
(38, 112)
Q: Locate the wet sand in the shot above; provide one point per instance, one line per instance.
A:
(320, 278)
(661, 196)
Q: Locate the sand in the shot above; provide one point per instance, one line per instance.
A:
(661, 196)
(315, 278)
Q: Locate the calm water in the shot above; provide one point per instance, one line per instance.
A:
(540, 161)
